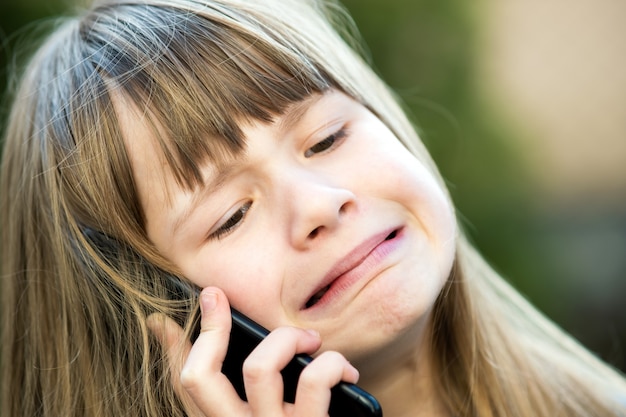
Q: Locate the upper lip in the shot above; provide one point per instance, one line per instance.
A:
(351, 260)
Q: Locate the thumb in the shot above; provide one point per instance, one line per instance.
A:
(202, 376)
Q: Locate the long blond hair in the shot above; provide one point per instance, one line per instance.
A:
(79, 275)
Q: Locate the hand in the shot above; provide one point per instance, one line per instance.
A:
(205, 391)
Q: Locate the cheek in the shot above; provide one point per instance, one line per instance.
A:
(246, 275)
(383, 161)
(400, 177)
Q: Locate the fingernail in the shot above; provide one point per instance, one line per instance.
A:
(208, 302)
(355, 373)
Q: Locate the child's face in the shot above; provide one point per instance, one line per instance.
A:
(325, 221)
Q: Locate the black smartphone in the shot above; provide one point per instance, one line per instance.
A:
(346, 399)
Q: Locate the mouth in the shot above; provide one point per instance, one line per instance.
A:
(315, 298)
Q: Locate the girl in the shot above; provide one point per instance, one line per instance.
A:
(243, 147)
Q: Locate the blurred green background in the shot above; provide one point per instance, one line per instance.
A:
(525, 113)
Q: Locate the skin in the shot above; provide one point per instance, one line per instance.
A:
(325, 194)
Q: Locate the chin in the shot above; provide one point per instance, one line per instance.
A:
(391, 331)
(393, 344)
(389, 316)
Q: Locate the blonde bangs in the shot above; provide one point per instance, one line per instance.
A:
(197, 79)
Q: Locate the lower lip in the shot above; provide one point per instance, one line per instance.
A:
(370, 266)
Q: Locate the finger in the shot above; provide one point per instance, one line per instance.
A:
(176, 347)
(261, 370)
(202, 376)
(317, 379)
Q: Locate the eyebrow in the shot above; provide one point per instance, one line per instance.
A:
(294, 113)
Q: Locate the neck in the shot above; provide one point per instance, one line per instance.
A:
(404, 384)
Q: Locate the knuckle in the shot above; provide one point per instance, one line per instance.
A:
(309, 378)
(255, 369)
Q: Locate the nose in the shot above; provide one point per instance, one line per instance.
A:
(316, 208)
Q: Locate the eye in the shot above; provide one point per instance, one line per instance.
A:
(232, 223)
(326, 143)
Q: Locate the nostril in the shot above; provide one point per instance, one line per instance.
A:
(344, 207)
(314, 232)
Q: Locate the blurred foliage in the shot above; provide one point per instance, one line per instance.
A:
(21, 22)
(426, 50)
